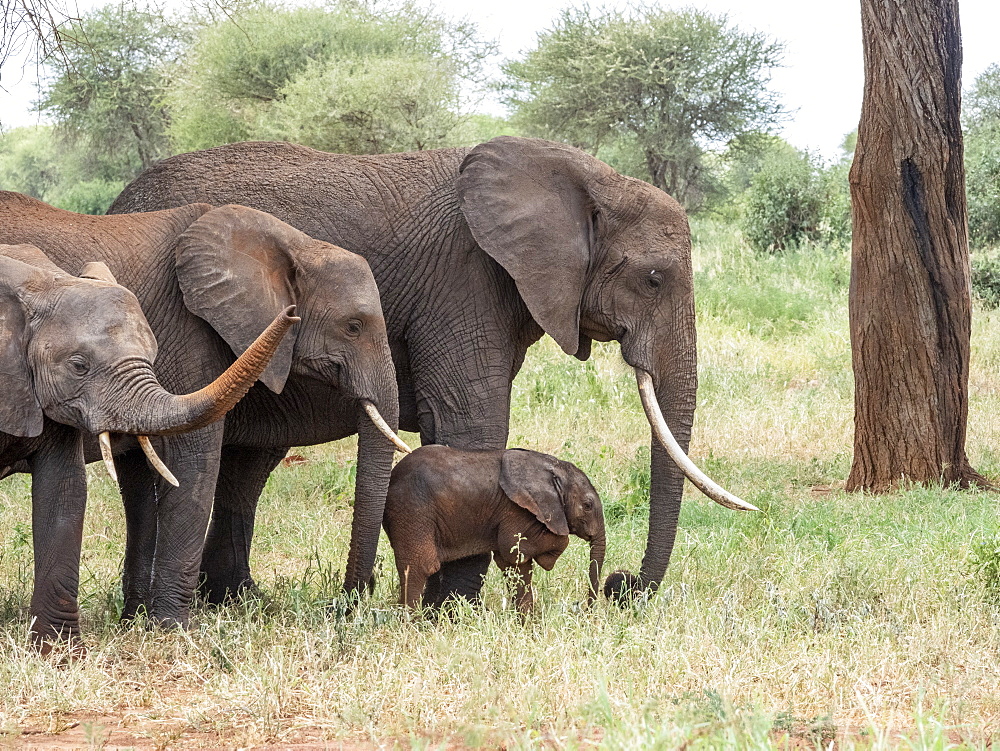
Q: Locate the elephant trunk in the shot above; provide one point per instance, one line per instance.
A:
(669, 465)
(598, 546)
(146, 408)
(675, 371)
(374, 464)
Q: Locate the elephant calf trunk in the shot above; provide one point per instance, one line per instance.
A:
(597, 549)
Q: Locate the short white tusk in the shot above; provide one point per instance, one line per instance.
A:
(157, 462)
(383, 426)
(109, 460)
(700, 480)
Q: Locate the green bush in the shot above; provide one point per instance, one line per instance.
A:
(986, 278)
(86, 196)
(784, 203)
(982, 165)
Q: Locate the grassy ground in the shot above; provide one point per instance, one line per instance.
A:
(863, 621)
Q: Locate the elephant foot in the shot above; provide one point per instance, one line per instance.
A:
(216, 592)
(133, 608)
(61, 651)
(624, 588)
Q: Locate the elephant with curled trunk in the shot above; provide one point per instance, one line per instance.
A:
(477, 252)
(208, 279)
(77, 357)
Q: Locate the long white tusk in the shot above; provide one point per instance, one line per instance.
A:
(109, 460)
(701, 481)
(157, 462)
(384, 426)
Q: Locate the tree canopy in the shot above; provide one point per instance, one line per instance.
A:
(107, 86)
(981, 114)
(350, 77)
(669, 83)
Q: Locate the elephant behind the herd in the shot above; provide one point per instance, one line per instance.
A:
(208, 280)
(476, 253)
(77, 357)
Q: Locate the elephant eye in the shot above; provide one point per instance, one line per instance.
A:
(78, 364)
(354, 327)
(654, 280)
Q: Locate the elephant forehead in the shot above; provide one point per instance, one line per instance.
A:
(97, 311)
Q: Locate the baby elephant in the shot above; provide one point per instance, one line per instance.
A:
(445, 503)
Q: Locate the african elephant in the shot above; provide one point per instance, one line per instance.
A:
(207, 278)
(446, 503)
(77, 357)
(477, 252)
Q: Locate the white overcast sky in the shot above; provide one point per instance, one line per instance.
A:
(821, 81)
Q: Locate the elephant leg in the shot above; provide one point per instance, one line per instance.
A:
(412, 580)
(517, 572)
(462, 578)
(138, 490)
(463, 400)
(225, 562)
(182, 517)
(58, 502)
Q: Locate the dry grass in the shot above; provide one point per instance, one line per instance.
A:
(830, 617)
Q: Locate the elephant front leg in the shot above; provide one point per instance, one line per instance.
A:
(58, 502)
(138, 489)
(225, 562)
(518, 577)
(182, 517)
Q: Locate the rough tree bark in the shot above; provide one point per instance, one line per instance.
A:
(909, 298)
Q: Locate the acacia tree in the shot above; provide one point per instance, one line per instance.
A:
(107, 87)
(347, 77)
(909, 300)
(667, 83)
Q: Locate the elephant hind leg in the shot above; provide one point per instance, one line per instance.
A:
(462, 578)
(225, 562)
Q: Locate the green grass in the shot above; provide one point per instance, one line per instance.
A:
(862, 620)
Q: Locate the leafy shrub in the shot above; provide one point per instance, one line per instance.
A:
(982, 163)
(784, 203)
(986, 278)
(985, 565)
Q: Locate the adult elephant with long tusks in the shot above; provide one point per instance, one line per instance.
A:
(208, 279)
(477, 252)
(77, 357)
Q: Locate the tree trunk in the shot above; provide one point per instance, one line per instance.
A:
(909, 299)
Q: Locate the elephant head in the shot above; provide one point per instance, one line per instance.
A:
(562, 498)
(238, 266)
(79, 351)
(597, 255)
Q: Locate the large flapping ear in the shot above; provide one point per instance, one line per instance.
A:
(529, 479)
(20, 411)
(528, 205)
(236, 271)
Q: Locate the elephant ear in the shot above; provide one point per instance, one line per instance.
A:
(528, 205)
(529, 479)
(99, 271)
(236, 271)
(20, 410)
(32, 256)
